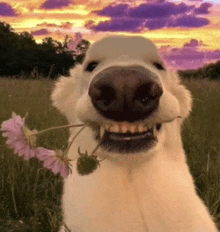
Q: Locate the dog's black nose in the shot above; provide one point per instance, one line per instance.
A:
(125, 93)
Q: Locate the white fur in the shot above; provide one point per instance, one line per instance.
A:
(149, 191)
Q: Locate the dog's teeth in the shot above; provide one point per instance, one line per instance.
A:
(132, 128)
(102, 131)
(107, 127)
(140, 128)
(124, 128)
(155, 130)
(114, 128)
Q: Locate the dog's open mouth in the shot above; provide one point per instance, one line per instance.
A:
(128, 137)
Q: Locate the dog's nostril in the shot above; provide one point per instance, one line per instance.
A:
(155, 91)
(144, 100)
(146, 93)
(103, 96)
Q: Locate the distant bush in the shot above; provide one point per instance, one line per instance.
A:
(210, 71)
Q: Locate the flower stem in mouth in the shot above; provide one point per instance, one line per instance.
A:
(58, 127)
(95, 149)
(73, 139)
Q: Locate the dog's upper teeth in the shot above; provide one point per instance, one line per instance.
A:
(102, 131)
(123, 128)
(107, 127)
(132, 128)
(140, 128)
(114, 128)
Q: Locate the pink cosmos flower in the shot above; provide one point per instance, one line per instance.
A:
(55, 161)
(73, 43)
(19, 136)
(23, 141)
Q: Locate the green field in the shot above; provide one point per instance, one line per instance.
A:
(30, 195)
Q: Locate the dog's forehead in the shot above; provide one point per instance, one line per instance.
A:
(123, 45)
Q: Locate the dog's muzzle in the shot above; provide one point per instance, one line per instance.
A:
(125, 93)
(126, 96)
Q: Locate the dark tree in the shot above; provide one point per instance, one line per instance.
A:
(19, 53)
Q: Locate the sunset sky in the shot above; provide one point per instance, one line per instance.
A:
(186, 32)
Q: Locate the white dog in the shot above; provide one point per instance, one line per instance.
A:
(136, 107)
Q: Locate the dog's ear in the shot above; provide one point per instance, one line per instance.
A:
(65, 94)
(182, 94)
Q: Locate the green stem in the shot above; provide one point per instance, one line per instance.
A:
(95, 149)
(57, 127)
(70, 144)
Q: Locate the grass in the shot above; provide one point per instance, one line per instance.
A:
(201, 135)
(30, 195)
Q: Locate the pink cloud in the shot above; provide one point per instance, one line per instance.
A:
(67, 25)
(90, 24)
(193, 44)
(40, 32)
(190, 56)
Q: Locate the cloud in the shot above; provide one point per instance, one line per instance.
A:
(203, 8)
(40, 32)
(190, 56)
(215, 55)
(152, 15)
(6, 10)
(193, 44)
(121, 25)
(45, 24)
(155, 10)
(189, 21)
(65, 25)
(90, 24)
(114, 11)
(149, 11)
(56, 4)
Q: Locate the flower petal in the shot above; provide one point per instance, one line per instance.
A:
(48, 163)
(13, 131)
(65, 171)
(43, 153)
(56, 167)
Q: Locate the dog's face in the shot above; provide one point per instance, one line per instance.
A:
(125, 92)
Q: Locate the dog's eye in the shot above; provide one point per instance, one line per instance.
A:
(158, 66)
(91, 66)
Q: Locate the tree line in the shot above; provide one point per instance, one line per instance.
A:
(210, 71)
(21, 55)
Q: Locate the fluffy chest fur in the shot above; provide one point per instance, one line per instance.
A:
(156, 196)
